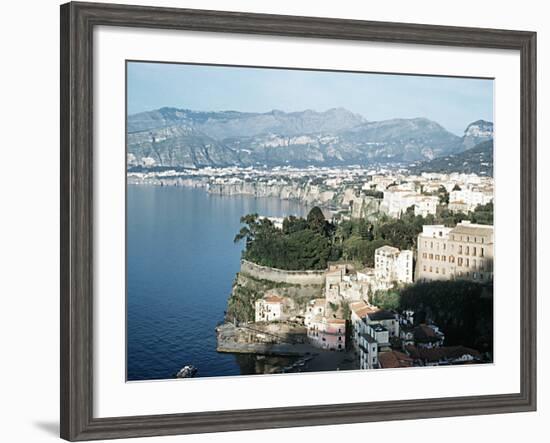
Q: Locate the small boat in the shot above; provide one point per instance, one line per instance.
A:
(187, 371)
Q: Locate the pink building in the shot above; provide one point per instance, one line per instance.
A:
(328, 333)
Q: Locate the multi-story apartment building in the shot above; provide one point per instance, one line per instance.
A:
(392, 265)
(462, 252)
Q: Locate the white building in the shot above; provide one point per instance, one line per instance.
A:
(364, 344)
(426, 205)
(269, 308)
(393, 266)
(470, 198)
(314, 308)
(396, 202)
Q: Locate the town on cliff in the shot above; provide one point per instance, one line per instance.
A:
(390, 270)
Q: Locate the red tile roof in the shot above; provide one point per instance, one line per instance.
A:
(272, 298)
(394, 359)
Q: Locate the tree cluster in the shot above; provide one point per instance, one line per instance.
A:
(311, 242)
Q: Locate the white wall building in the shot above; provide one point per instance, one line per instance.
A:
(426, 205)
(269, 308)
(470, 198)
(393, 266)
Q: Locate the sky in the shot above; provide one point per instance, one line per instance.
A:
(451, 102)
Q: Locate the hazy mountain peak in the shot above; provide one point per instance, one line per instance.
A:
(477, 132)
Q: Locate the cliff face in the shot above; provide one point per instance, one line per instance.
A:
(248, 288)
(309, 195)
(360, 206)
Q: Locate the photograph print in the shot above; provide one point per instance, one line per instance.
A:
(288, 221)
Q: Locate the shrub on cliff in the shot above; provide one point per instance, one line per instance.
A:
(296, 247)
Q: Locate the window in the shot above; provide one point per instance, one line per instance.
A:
(443, 258)
(467, 262)
(459, 261)
(460, 249)
(437, 257)
(482, 252)
(444, 246)
(424, 255)
(431, 245)
(443, 271)
(431, 269)
(437, 270)
(424, 268)
(475, 251)
(467, 250)
(431, 256)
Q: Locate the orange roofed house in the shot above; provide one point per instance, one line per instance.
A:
(269, 308)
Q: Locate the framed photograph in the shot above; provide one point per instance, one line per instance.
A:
(272, 221)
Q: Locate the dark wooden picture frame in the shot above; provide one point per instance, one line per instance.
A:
(77, 23)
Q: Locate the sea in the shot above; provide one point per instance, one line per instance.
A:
(181, 264)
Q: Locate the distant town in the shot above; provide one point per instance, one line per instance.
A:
(390, 269)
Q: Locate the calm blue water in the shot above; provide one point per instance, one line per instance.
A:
(181, 263)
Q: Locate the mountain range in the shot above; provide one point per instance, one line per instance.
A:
(170, 137)
(477, 160)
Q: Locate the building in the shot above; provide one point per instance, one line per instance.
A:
(428, 336)
(462, 252)
(394, 359)
(442, 356)
(314, 308)
(364, 344)
(469, 199)
(269, 308)
(393, 266)
(367, 351)
(385, 318)
(358, 312)
(397, 201)
(342, 284)
(327, 333)
(426, 205)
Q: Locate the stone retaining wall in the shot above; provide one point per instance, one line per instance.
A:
(282, 275)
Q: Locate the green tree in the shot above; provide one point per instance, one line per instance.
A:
(443, 195)
(316, 220)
